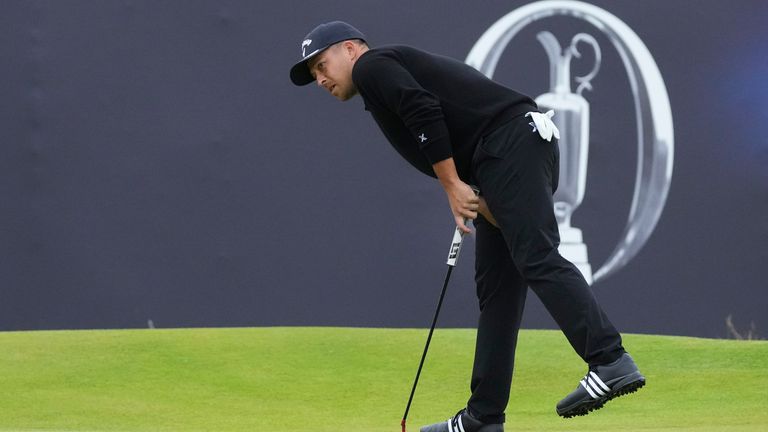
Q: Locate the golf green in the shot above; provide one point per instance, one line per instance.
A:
(317, 379)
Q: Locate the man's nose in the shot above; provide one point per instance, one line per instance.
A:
(320, 78)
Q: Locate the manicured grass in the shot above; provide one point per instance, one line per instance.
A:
(347, 379)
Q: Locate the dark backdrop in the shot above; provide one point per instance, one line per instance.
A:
(157, 164)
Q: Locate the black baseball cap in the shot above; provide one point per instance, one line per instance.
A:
(316, 42)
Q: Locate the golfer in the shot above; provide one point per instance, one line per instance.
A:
(453, 123)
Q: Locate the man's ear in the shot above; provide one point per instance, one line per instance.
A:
(350, 48)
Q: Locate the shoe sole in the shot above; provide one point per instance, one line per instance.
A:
(625, 386)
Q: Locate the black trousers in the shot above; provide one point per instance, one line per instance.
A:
(517, 174)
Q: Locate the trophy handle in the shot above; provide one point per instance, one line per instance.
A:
(585, 82)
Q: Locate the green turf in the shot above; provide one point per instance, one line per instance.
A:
(342, 379)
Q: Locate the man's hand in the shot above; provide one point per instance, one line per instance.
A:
(462, 199)
(464, 203)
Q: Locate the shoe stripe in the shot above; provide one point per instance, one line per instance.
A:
(450, 426)
(594, 386)
(461, 426)
(599, 381)
(589, 390)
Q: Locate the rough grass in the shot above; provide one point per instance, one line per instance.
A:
(346, 379)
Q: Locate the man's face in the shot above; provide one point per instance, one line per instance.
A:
(332, 69)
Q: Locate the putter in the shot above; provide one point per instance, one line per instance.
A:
(453, 255)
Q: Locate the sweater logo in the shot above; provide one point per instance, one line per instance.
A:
(422, 138)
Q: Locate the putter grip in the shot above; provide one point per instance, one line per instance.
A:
(458, 236)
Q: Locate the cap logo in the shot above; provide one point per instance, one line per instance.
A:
(304, 46)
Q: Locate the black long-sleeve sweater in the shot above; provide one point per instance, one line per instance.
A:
(432, 107)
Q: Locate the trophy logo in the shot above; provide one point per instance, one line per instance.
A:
(653, 115)
(573, 120)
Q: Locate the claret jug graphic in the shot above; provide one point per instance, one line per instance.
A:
(572, 119)
(652, 113)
